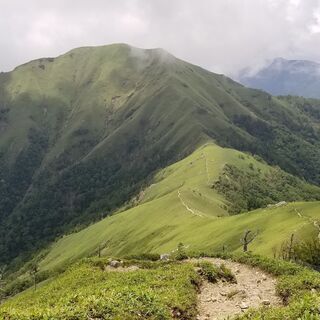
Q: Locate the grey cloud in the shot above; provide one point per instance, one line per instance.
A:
(221, 35)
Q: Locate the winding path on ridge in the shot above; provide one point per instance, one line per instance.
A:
(315, 223)
(254, 288)
(193, 211)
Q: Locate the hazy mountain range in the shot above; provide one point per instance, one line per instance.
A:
(285, 77)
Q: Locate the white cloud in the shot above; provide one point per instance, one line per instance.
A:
(221, 35)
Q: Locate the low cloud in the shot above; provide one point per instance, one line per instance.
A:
(222, 35)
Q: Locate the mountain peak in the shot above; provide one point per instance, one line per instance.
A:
(286, 77)
(109, 51)
(89, 127)
(303, 64)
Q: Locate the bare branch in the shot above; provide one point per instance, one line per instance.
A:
(248, 237)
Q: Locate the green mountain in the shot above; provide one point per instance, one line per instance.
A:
(183, 203)
(83, 133)
(182, 206)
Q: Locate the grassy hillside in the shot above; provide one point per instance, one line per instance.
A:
(83, 132)
(168, 290)
(181, 206)
(89, 291)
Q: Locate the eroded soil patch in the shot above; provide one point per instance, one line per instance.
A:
(254, 288)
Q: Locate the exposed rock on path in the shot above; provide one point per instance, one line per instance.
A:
(221, 300)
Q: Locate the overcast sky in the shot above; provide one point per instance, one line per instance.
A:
(220, 35)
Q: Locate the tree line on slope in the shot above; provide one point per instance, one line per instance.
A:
(251, 189)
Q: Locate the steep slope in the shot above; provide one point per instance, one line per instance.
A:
(286, 77)
(82, 133)
(181, 206)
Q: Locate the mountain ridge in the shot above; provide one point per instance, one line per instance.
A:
(82, 133)
(181, 205)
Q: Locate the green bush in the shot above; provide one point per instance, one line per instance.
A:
(227, 274)
(289, 286)
(213, 273)
(181, 253)
(208, 271)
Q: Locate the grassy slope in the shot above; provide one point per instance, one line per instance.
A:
(161, 220)
(87, 291)
(71, 100)
(113, 115)
(157, 291)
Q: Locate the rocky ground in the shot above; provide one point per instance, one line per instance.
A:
(222, 300)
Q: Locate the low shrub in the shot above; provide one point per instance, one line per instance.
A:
(213, 273)
(208, 271)
(305, 308)
(289, 286)
(23, 283)
(227, 274)
(180, 253)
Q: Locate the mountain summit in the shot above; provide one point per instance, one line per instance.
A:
(82, 133)
(286, 77)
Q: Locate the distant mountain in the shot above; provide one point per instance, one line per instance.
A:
(286, 77)
(82, 133)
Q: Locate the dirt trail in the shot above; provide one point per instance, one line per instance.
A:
(207, 168)
(195, 212)
(315, 223)
(221, 300)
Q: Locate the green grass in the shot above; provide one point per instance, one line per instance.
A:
(101, 150)
(87, 290)
(158, 290)
(213, 273)
(114, 115)
(160, 222)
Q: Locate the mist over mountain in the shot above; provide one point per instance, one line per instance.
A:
(285, 77)
(158, 161)
(82, 133)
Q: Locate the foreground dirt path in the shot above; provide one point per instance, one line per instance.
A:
(221, 300)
